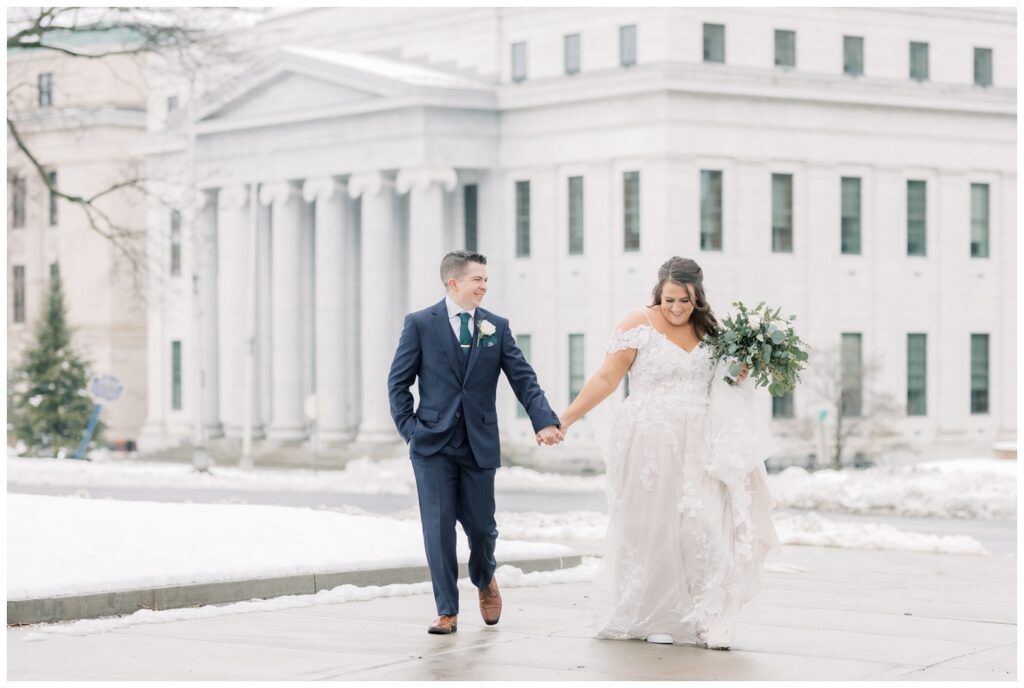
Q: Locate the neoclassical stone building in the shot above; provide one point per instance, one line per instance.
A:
(856, 167)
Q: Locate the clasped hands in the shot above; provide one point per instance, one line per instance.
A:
(551, 435)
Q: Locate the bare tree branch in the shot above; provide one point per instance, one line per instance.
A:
(123, 239)
(190, 40)
(825, 382)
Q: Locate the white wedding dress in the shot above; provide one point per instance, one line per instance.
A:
(688, 503)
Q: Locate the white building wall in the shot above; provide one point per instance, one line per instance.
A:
(671, 116)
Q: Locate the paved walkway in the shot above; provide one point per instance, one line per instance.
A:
(851, 615)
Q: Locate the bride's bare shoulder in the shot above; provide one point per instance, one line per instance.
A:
(633, 319)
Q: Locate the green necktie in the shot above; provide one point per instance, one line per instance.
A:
(465, 339)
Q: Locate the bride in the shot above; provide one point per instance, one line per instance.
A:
(689, 513)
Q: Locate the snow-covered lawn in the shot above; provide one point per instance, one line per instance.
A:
(64, 546)
(959, 488)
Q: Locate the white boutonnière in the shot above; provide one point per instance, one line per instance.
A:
(485, 333)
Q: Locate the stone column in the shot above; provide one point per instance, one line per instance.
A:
(153, 434)
(287, 420)
(379, 301)
(336, 319)
(426, 188)
(206, 266)
(233, 247)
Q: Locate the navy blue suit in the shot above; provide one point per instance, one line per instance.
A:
(453, 434)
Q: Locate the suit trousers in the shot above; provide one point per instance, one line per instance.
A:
(452, 487)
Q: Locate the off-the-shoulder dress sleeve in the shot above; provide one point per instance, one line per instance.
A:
(633, 338)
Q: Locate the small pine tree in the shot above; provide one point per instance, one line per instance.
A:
(49, 399)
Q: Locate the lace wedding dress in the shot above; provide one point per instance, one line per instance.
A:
(688, 503)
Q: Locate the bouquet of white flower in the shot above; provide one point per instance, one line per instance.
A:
(765, 343)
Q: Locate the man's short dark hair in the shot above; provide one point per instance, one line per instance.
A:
(454, 264)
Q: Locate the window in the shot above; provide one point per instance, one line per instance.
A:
(16, 191)
(176, 375)
(979, 220)
(983, 66)
(519, 62)
(575, 365)
(469, 207)
(172, 104)
(572, 53)
(850, 216)
(175, 243)
(627, 45)
(782, 213)
(979, 373)
(710, 210)
(631, 210)
(917, 225)
(19, 293)
(782, 407)
(522, 219)
(785, 48)
(917, 374)
(919, 61)
(51, 176)
(524, 343)
(853, 55)
(852, 378)
(575, 216)
(46, 89)
(714, 43)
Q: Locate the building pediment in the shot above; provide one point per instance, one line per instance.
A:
(287, 92)
(306, 82)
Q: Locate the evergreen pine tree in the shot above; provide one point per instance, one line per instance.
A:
(49, 400)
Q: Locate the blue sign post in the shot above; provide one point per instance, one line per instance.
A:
(106, 388)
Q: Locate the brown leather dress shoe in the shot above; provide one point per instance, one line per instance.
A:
(490, 603)
(445, 625)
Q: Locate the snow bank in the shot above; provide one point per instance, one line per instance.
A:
(966, 488)
(508, 577)
(798, 529)
(811, 529)
(64, 546)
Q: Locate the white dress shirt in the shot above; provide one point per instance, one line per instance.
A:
(453, 316)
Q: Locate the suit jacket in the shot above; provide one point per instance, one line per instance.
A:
(451, 389)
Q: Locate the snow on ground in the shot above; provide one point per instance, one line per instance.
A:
(360, 476)
(64, 546)
(960, 488)
(812, 529)
(508, 577)
(793, 529)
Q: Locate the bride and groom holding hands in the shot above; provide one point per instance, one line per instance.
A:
(683, 549)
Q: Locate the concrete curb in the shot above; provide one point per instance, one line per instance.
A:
(71, 607)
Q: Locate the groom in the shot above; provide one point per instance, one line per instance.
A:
(456, 349)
